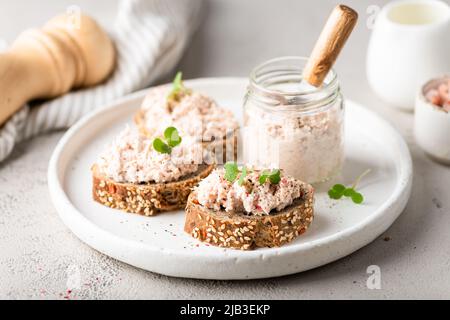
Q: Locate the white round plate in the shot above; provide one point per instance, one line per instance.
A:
(159, 244)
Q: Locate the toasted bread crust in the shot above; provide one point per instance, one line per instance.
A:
(145, 199)
(238, 231)
(220, 145)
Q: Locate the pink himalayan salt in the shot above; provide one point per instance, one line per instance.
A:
(440, 96)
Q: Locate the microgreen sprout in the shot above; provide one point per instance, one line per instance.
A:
(273, 176)
(232, 171)
(172, 136)
(242, 176)
(339, 190)
(172, 139)
(177, 87)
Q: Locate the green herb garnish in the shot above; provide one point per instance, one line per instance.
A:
(242, 176)
(232, 171)
(161, 146)
(177, 87)
(339, 190)
(172, 136)
(172, 139)
(273, 176)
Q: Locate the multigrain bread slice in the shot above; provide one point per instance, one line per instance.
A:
(225, 148)
(149, 198)
(239, 231)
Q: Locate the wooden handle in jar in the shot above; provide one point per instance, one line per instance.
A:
(333, 37)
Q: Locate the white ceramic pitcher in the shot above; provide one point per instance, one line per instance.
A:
(410, 44)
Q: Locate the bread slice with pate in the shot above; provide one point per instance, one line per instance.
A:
(137, 175)
(230, 215)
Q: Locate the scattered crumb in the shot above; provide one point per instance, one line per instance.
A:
(387, 238)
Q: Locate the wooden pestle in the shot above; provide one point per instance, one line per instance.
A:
(333, 37)
(48, 62)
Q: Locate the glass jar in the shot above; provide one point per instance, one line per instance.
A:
(292, 125)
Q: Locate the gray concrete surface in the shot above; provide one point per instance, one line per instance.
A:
(36, 249)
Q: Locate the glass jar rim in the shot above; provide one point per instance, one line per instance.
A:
(330, 85)
(286, 71)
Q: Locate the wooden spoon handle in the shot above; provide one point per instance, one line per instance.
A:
(333, 37)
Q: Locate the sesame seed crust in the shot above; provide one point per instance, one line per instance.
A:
(145, 199)
(237, 231)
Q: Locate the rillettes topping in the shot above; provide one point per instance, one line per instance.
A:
(249, 195)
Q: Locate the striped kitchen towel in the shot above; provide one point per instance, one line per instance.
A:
(150, 37)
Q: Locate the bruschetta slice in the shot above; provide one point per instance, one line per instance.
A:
(146, 176)
(262, 209)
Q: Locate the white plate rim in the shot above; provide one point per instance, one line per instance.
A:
(78, 223)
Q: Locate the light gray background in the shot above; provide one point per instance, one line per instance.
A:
(36, 248)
